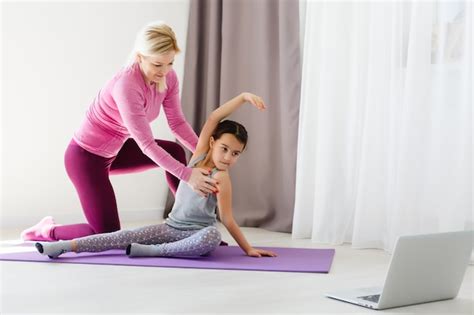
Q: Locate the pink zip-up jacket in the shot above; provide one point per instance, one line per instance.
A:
(124, 108)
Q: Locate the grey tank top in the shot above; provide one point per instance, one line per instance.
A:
(190, 210)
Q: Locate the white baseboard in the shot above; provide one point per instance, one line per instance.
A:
(128, 215)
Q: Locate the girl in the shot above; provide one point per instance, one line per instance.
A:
(189, 229)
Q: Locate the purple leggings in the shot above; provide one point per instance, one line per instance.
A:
(90, 175)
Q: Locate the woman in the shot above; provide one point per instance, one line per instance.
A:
(115, 137)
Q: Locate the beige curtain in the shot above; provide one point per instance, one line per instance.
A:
(237, 46)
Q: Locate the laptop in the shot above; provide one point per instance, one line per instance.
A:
(423, 268)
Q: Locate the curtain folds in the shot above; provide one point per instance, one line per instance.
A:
(253, 46)
(385, 134)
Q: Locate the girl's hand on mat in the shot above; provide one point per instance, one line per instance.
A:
(255, 100)
(201, 183)
(255, 252)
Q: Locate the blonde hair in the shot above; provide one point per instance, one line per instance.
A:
(154, 39)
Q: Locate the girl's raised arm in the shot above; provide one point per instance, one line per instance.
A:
(219, 114)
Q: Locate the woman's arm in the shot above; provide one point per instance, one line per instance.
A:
(224, 201)
(174, 114)
(130, 99)
(219, 114)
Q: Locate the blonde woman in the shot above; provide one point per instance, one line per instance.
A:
(115, 137)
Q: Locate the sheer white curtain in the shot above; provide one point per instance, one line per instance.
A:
(385, 133)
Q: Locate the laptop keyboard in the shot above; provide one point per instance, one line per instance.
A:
(371, 298)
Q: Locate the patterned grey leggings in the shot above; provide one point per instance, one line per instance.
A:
(173, 242)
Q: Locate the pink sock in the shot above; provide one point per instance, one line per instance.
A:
(41, 231)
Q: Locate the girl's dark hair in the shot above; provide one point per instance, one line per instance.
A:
(232, 127)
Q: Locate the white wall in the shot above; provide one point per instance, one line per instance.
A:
(55, 58)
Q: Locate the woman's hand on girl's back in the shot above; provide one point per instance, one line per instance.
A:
(201, 183)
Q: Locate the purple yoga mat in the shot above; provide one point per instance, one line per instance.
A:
(224, 257)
